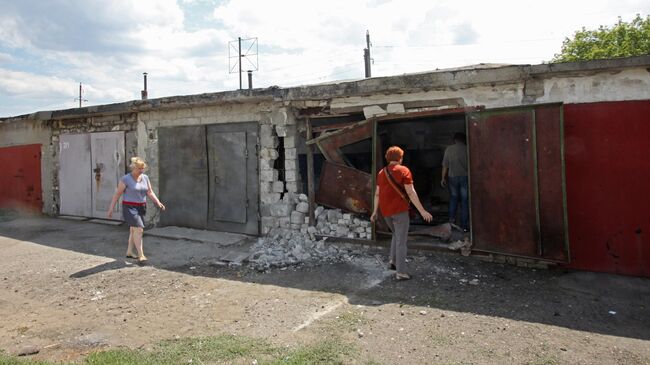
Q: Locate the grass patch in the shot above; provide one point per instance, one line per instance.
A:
(190, 350)
(327, 352)
(440, 340)
(213, 350)
(349, 320)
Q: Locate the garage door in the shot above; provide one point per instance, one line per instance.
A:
(20, 180)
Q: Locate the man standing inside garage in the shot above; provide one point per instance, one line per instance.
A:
(454, 174)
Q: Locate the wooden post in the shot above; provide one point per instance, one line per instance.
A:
(310, 175)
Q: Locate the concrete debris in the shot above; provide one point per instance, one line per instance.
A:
(28, 350)
(333, 222)
(460, 244)
(286, 247)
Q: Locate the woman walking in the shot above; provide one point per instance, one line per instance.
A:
(136, 187)
(394, 193)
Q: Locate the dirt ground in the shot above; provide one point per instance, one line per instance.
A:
(66, 289)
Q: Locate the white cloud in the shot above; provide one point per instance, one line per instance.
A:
(6, 57)
(47, 48)
(28, 85)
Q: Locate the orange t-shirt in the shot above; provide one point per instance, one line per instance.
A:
(390, 201)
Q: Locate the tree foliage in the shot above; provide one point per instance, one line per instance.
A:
(622, 40)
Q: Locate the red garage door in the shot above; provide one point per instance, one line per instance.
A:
(607, 151)
(20, 178)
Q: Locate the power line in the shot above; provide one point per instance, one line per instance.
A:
(464, 45)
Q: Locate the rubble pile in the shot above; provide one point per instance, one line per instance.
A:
(285, 247)
(329, 222)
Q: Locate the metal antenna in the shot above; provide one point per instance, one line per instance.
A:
(80, 98)
(249, 56)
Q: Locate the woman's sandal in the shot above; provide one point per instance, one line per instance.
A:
(391, 266)
(400, 276)
(142, 260)
(131, 256)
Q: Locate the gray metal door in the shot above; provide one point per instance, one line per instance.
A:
(75, 175)
(183, 176)
(233, 179)
(107, 151)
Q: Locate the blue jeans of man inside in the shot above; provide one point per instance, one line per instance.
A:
(458, 190)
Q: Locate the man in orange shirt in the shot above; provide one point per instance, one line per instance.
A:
(394, 192)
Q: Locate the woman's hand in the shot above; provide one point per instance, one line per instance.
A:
(161, 206)
(109, 214)
(427, 216)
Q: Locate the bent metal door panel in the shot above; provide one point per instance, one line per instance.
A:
(516, 184)
(107, 151)
(75, 175)
(233, 178)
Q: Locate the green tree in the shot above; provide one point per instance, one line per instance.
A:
(622, 40)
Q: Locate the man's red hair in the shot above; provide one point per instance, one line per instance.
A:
(394, 153)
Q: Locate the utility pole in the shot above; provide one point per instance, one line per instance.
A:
(366, 55)
(80, 96)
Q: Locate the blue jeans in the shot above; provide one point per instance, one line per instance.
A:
(458, 188)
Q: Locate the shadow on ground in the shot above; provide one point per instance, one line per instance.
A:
(599, 303)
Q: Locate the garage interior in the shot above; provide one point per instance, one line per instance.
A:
(423, 139)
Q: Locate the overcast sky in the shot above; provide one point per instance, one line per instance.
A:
(47, 47)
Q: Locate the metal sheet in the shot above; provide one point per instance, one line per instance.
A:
(442, 231)
(554, 244)
(227, 152)
(75, 175)
(20, 180)
(183, 170)
(503, 179)
(234, 178)
(330, 143)
(108, 167)
(607, 178)
(345, 188)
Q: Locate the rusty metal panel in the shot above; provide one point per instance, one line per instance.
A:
(330, 143)
(503, 182)
(183, 167)
(75, 175)
(548, 127)
(108, 167)
(607, 177)
(345, 188)
(20, 180)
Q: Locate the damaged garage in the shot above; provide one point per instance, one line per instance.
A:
(544, 145)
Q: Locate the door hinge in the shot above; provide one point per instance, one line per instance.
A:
(246, 153)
